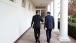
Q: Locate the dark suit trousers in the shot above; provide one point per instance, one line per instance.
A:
(48, 34)
(37, 33)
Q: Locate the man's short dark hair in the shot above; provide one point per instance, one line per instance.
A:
(37, 12)
(48, 12)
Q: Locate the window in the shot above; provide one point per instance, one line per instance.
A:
(29, 6)
(32, 8)
(12, 0)
(42, 13)
(23, 3)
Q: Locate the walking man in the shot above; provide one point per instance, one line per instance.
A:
(49, 25)
(36, 25)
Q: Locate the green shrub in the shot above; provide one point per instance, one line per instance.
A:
(72, 30)
(69, 19)
(58, 19)
(58, 25)
(74, 16)
(72, 20)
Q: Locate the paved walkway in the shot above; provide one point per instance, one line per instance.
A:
(29, 37)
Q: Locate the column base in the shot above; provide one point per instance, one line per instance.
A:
(64, 39)
(55, 30)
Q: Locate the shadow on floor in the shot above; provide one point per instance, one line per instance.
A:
(28, 37)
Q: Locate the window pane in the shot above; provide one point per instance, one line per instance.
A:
(23, 3)
(29, 6)
(12, 0)
(42, 13)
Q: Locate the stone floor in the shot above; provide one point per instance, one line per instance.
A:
(29, 37)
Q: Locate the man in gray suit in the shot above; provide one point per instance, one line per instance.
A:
(49, 25)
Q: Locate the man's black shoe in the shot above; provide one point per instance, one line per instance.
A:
(39, 41)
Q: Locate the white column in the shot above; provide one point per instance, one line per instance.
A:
(55, 14)
(51, 8)
(48, 8)
(64, 21)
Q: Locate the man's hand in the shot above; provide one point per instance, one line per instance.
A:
(53, 29)
(45, 28)
(31, 25)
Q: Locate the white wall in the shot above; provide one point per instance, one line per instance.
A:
(14, 20)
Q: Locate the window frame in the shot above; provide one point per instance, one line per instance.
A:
(23, 3)
(29, 6)
(12, 0)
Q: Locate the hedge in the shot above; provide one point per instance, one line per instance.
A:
(70, 20)
(73, 20)
(71, 29)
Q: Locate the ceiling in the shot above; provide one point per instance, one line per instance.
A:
(41, 2)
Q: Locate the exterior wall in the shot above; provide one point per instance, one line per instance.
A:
(14, 19)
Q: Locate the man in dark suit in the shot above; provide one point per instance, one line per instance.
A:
(49, 25)
(36, 25)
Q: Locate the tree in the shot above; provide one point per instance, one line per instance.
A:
(72, 7)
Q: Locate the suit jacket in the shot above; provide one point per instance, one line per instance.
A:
(49, 22)
(36, 21)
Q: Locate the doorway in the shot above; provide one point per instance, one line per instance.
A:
(42, 12)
